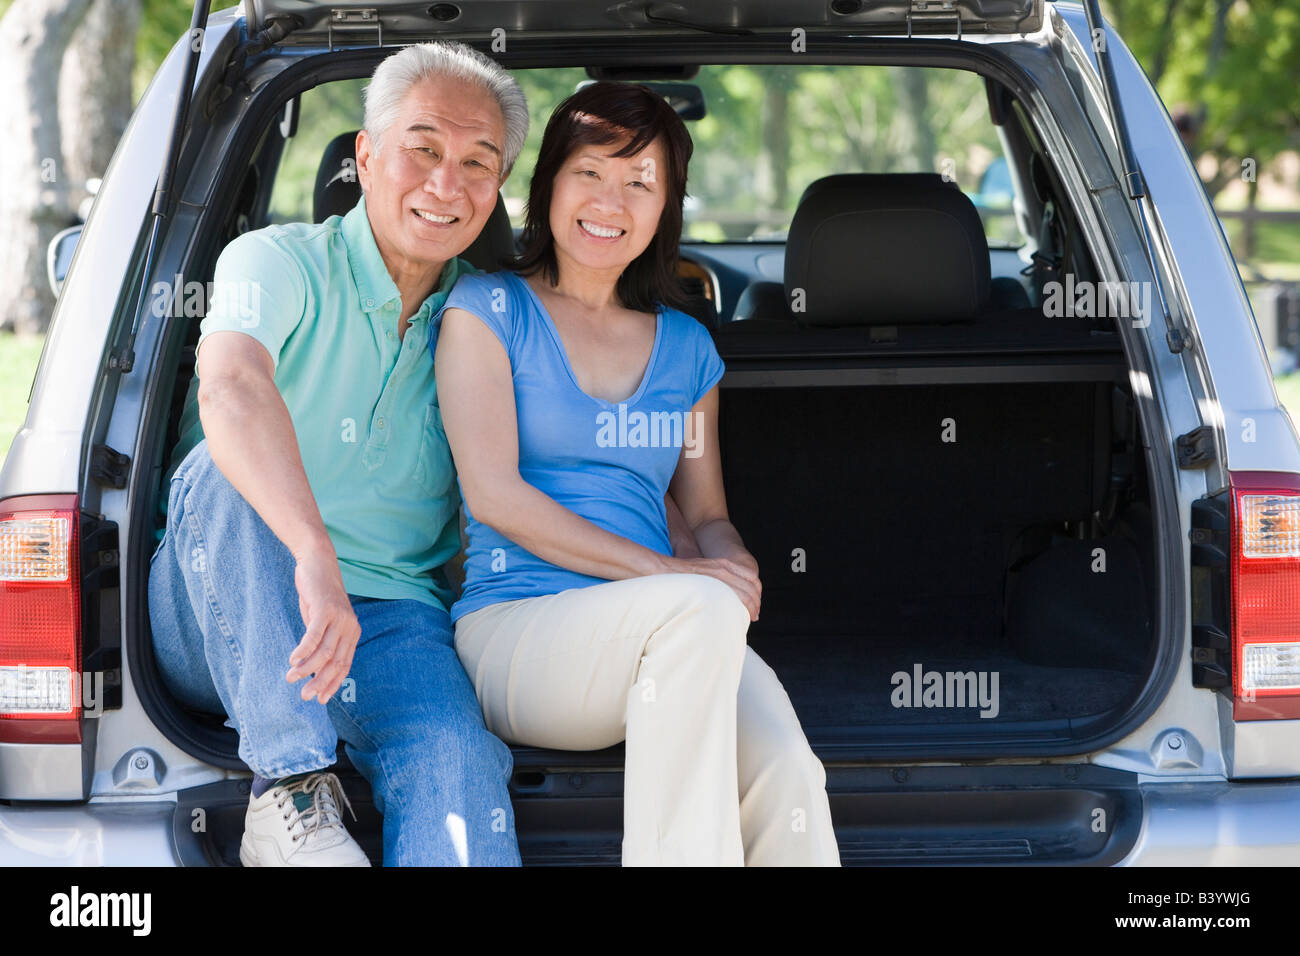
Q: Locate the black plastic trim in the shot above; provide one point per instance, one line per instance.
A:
(1027, 815)
(1211, 602)
(101, 616)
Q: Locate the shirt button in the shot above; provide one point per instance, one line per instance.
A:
(389, 333)
(380, 421)
(370, 303)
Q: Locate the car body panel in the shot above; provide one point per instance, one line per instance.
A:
(1190, 803)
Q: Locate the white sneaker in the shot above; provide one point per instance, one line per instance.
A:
(297, 823)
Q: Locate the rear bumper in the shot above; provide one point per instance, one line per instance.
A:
(132, 832)
(1182, 824)
(1219, 824)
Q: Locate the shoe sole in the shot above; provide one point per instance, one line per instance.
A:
(250, 859)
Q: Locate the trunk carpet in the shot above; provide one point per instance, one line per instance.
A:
(837, 681)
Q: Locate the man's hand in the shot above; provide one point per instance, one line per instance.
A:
(332, 632)
(250, 435)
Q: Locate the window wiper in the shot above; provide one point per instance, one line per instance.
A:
(1134, 182)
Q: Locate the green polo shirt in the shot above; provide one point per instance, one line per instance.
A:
(363, 401)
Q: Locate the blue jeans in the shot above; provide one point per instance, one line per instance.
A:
(224, 611)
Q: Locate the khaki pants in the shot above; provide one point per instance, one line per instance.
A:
(718, 771)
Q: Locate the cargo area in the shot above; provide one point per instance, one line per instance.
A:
(991, 518)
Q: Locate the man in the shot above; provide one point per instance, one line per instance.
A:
(311, 514)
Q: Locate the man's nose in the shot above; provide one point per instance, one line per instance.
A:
(445, 180)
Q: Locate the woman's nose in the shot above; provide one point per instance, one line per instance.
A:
(609, 196)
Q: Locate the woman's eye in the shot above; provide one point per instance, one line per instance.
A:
(637, 182)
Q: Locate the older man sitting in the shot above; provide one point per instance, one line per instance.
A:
(315, 501)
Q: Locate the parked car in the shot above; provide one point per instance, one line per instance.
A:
(1030, 562)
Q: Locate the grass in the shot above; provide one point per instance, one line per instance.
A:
(18, 357)
(1277, 247)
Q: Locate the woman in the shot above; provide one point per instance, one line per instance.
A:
(574, 397)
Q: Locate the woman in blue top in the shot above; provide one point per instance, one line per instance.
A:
(575, 399)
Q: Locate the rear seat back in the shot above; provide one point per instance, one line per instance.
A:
(880, 249)
(892, 249)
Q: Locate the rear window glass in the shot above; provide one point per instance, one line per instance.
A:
(767, 132)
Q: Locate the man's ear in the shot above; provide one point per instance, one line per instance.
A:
(365, 150)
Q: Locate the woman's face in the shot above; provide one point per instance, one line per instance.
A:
(605, 209)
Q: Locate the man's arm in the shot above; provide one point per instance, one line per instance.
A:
(251, 439)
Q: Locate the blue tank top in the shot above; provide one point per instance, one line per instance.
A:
(610, 463)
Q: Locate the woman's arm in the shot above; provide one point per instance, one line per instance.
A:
(476, 393)
(698, 490)
(680, 537)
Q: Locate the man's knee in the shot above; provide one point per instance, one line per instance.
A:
(207, 485)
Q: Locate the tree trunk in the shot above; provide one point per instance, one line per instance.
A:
(95, 89)
(33, 178)
(917, 136)
(1249, 247)
(776, 143)
(1164, 40)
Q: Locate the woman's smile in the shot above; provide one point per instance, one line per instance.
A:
(599, 232)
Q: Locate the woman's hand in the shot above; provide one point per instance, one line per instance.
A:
(740, 573)
(697, 490)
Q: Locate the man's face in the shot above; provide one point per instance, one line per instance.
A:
(432, 184)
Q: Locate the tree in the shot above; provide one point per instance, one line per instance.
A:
(1235, 61)
(95, 89)
(34, 194)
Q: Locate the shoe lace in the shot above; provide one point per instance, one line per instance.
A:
(322, 812)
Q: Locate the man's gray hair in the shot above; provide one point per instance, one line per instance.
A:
(444, 58)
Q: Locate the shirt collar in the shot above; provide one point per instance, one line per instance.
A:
(375, 287)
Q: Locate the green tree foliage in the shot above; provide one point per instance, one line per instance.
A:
(164, 22)
(1233, 63)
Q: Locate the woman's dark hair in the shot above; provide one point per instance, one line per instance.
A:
(618, 110)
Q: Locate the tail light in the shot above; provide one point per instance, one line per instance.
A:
(40, 620)
(1265, 581)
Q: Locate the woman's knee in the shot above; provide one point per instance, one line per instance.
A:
(710, 599)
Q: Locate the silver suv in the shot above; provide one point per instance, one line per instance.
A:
(1028, 512)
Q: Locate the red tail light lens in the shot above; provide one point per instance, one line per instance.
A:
(40, 620)
(1265, 595)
